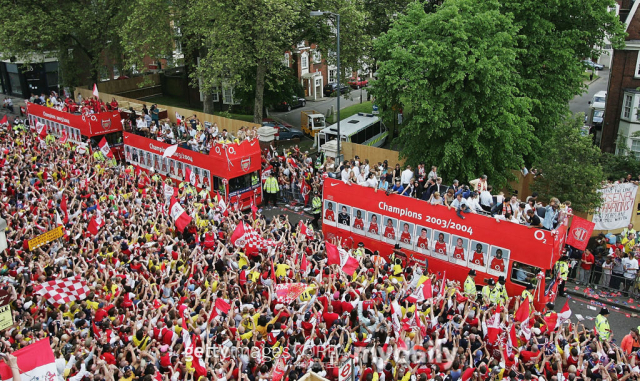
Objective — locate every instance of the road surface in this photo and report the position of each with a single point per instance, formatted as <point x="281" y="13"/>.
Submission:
<point x="580" y="103"/>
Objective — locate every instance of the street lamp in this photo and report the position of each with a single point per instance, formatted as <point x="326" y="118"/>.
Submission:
<point x="321" y="13"/>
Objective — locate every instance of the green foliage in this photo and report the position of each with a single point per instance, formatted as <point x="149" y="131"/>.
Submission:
<point x="570" y="167"/>
<point x="617" y="167"/>
<point x="454" y="72"/>
<point x="148" y="32"/>
<point x="280" y="85"/>
<point x="554" y="37"/>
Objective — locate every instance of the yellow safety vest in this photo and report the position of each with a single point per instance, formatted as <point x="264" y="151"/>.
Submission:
<point x="271" y="185"/>
<point x="602" y="327"/>
<point x="562" y="269"/>
<point x="316" y="204"/>
<point x="486" y="292"/>
<point x="527" y="295"/>
<point x="470" y="287"/>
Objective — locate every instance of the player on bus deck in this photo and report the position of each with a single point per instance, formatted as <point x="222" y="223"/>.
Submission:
<point x="441" y="246"/>
<point x="423" y="240"/>
<point x="458" y="251"/>
<point x="405" y="237"/>
<point x="497" y="263"/>
<point x="389" y="231"/>
<point x="358" y="223"/>
<point x="478" y="256"/>
<point x="373" y="225"/>
<point x="329" y="214"/>
<point x="343" y="217"/>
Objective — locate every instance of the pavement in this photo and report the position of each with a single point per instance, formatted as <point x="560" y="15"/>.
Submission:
<point x="322" y="105"/>
<point x="580" y="103"/>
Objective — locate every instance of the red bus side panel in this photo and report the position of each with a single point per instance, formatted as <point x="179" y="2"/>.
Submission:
<point x="89" y="125"/>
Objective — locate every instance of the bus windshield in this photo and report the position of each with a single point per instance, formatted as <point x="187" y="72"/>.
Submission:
<point x="242" y="183"/>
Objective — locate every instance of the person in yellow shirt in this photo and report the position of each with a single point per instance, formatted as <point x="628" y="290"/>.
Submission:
<point x="281" y="270"/>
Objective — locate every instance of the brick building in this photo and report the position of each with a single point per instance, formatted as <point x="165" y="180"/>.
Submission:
<point x="621" y="128"/>
<point x="310" y="68"/>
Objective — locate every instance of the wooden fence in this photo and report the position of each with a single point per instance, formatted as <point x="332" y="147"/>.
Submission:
<point x="118" y="86"/>
<point x="374" y="154"/>
<point x="230" y="125"/>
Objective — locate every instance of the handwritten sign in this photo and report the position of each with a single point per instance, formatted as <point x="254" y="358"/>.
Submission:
<point x="45" y="238"/>
<point x="618" y="203"/>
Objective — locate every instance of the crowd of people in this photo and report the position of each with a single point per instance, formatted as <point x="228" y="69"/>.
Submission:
<point x="172" y="304"/>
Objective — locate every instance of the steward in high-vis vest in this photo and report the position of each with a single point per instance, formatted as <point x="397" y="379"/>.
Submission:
<point x="470" y="285"/>
<point x="527" y="295"/>
<point x="602" y="325"/>
<point x="488" y="290"/>
<point x="561" y="270"/>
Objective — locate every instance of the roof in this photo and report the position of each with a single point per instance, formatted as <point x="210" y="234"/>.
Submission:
<point x="602" y="93"/>
<point x="352" y="124"/>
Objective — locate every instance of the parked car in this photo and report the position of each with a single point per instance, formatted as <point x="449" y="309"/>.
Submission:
<point x="295" y="102"/>
<point x="599" y="100"/>
<point x="591" y="64"/>
<point x="284" y="132"/>
<point x="331" y="88"/>
<point x="358" y="82"/>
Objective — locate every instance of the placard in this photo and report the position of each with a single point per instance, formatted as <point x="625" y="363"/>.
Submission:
<point x="45" y="238"/>
<point x="617" y="207"/>
<point x="6" y="318"/>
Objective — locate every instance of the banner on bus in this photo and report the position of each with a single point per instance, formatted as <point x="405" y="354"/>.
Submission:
<point x="478" y="241"/>
<point x="88" y="125"/>
<point x="45" y="238"/>
<point x="618" y="202"/>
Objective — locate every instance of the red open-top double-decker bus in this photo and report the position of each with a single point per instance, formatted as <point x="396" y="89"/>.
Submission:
<point x="233" y="169"/>
<point x="434" y="233"/>
<point x="80" y="128"/>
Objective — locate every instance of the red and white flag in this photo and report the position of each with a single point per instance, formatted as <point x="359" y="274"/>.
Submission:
<point x="422" y="292"/>
<point x="4" y="121"/>
<point x="245" y="237"/>
<point x="522" y="315"/>
<point x="221" y="204"/>
<point x="493" y="326"/>
<point x="104" y="148"/>
<point x="64" y="291"/>
<point x="95" y="224"/>
<point x="170" y="151"/>
<point x="580" y="232"/>
<point x="41" y="129"/>
<point x="220" y="307"/>
<point x="279" y="370"/>
<point x="286" y="293"/>
<point x="564" y="314"/>
<point x="512" y="341"/>
<point x="180" y="217"/>
<point x="305" y="230"/>
<point x="35" y="362"/>
<point x="190" y="347"/>
<point x="190" y="176"/>
<point x="168" y="191"/>
<point x="95" y="91"/>
<point x="65" y="209"/>
<point x="338" y="256"/>
<point x="63" y="137"/>
<point x="178" y="119"/>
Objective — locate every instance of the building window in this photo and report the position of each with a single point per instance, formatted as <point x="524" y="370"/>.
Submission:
<point x="332" y="75"/>
<point x="317" y="56"/>
<point x="636" y="74"/>
<point x="626" y="109"/>
<point x="635" y="148"/>
<point x="104" y="73"/>
<point x="227" y="96"/>
<point x="285" y="61"/>
<point x="216" y="94"/>
<point x="304" y="61"/>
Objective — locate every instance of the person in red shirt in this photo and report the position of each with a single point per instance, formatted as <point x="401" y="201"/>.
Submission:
<point x="329" y="317"/>
<point x="358" y="223"/>
<point x="441" y="246"/>
<point x="458" y="251"/>
<point x="329" y="215"/>
<point x="478" y="256"/>
<point x="373" y="225"/>
<point x="497" y="263"/>
<point x="584" y="272"/>
<point x="423" y="241"/>
<point x="389" y="231"/>
<point x="405" y="237"/>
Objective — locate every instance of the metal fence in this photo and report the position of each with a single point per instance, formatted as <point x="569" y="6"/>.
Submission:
<point x="599" y="279"/>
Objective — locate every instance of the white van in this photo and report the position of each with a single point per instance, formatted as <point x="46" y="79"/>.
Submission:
<point x="365" y="129"/>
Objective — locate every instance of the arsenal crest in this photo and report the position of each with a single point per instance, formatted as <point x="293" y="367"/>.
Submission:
<point x="106" y="124"/>
<point x="245" y="164"/>
<point x="580" y="234"/>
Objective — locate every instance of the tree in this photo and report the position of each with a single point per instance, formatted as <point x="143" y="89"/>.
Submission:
<point x="570" y="167"/>
<point x="454" y="72"/>
<point x="80" y="34"/>
<point x="240" y="35"/>
<point x="553" y="39"/>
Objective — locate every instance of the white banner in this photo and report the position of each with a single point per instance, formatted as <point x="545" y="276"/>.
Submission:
<point x="618" y="204"/>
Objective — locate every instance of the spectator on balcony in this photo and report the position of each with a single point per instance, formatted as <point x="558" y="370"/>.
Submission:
<point x="551" y="214"/>
<point x="479" y="184"/>
<point x="436" y="199"/>
<point x="486" y="200"/>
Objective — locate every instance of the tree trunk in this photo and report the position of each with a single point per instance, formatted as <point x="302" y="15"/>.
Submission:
<point x="259" y="97"/>
<point x="207" y="103"/>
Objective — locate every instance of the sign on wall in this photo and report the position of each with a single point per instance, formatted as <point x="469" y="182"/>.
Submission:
<point x="617" y="207"/>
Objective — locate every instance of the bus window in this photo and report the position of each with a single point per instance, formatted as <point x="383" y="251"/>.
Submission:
<point x="114" y="138"/>
<point x="524" y="274"/>
<point x="239" y="183"/>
